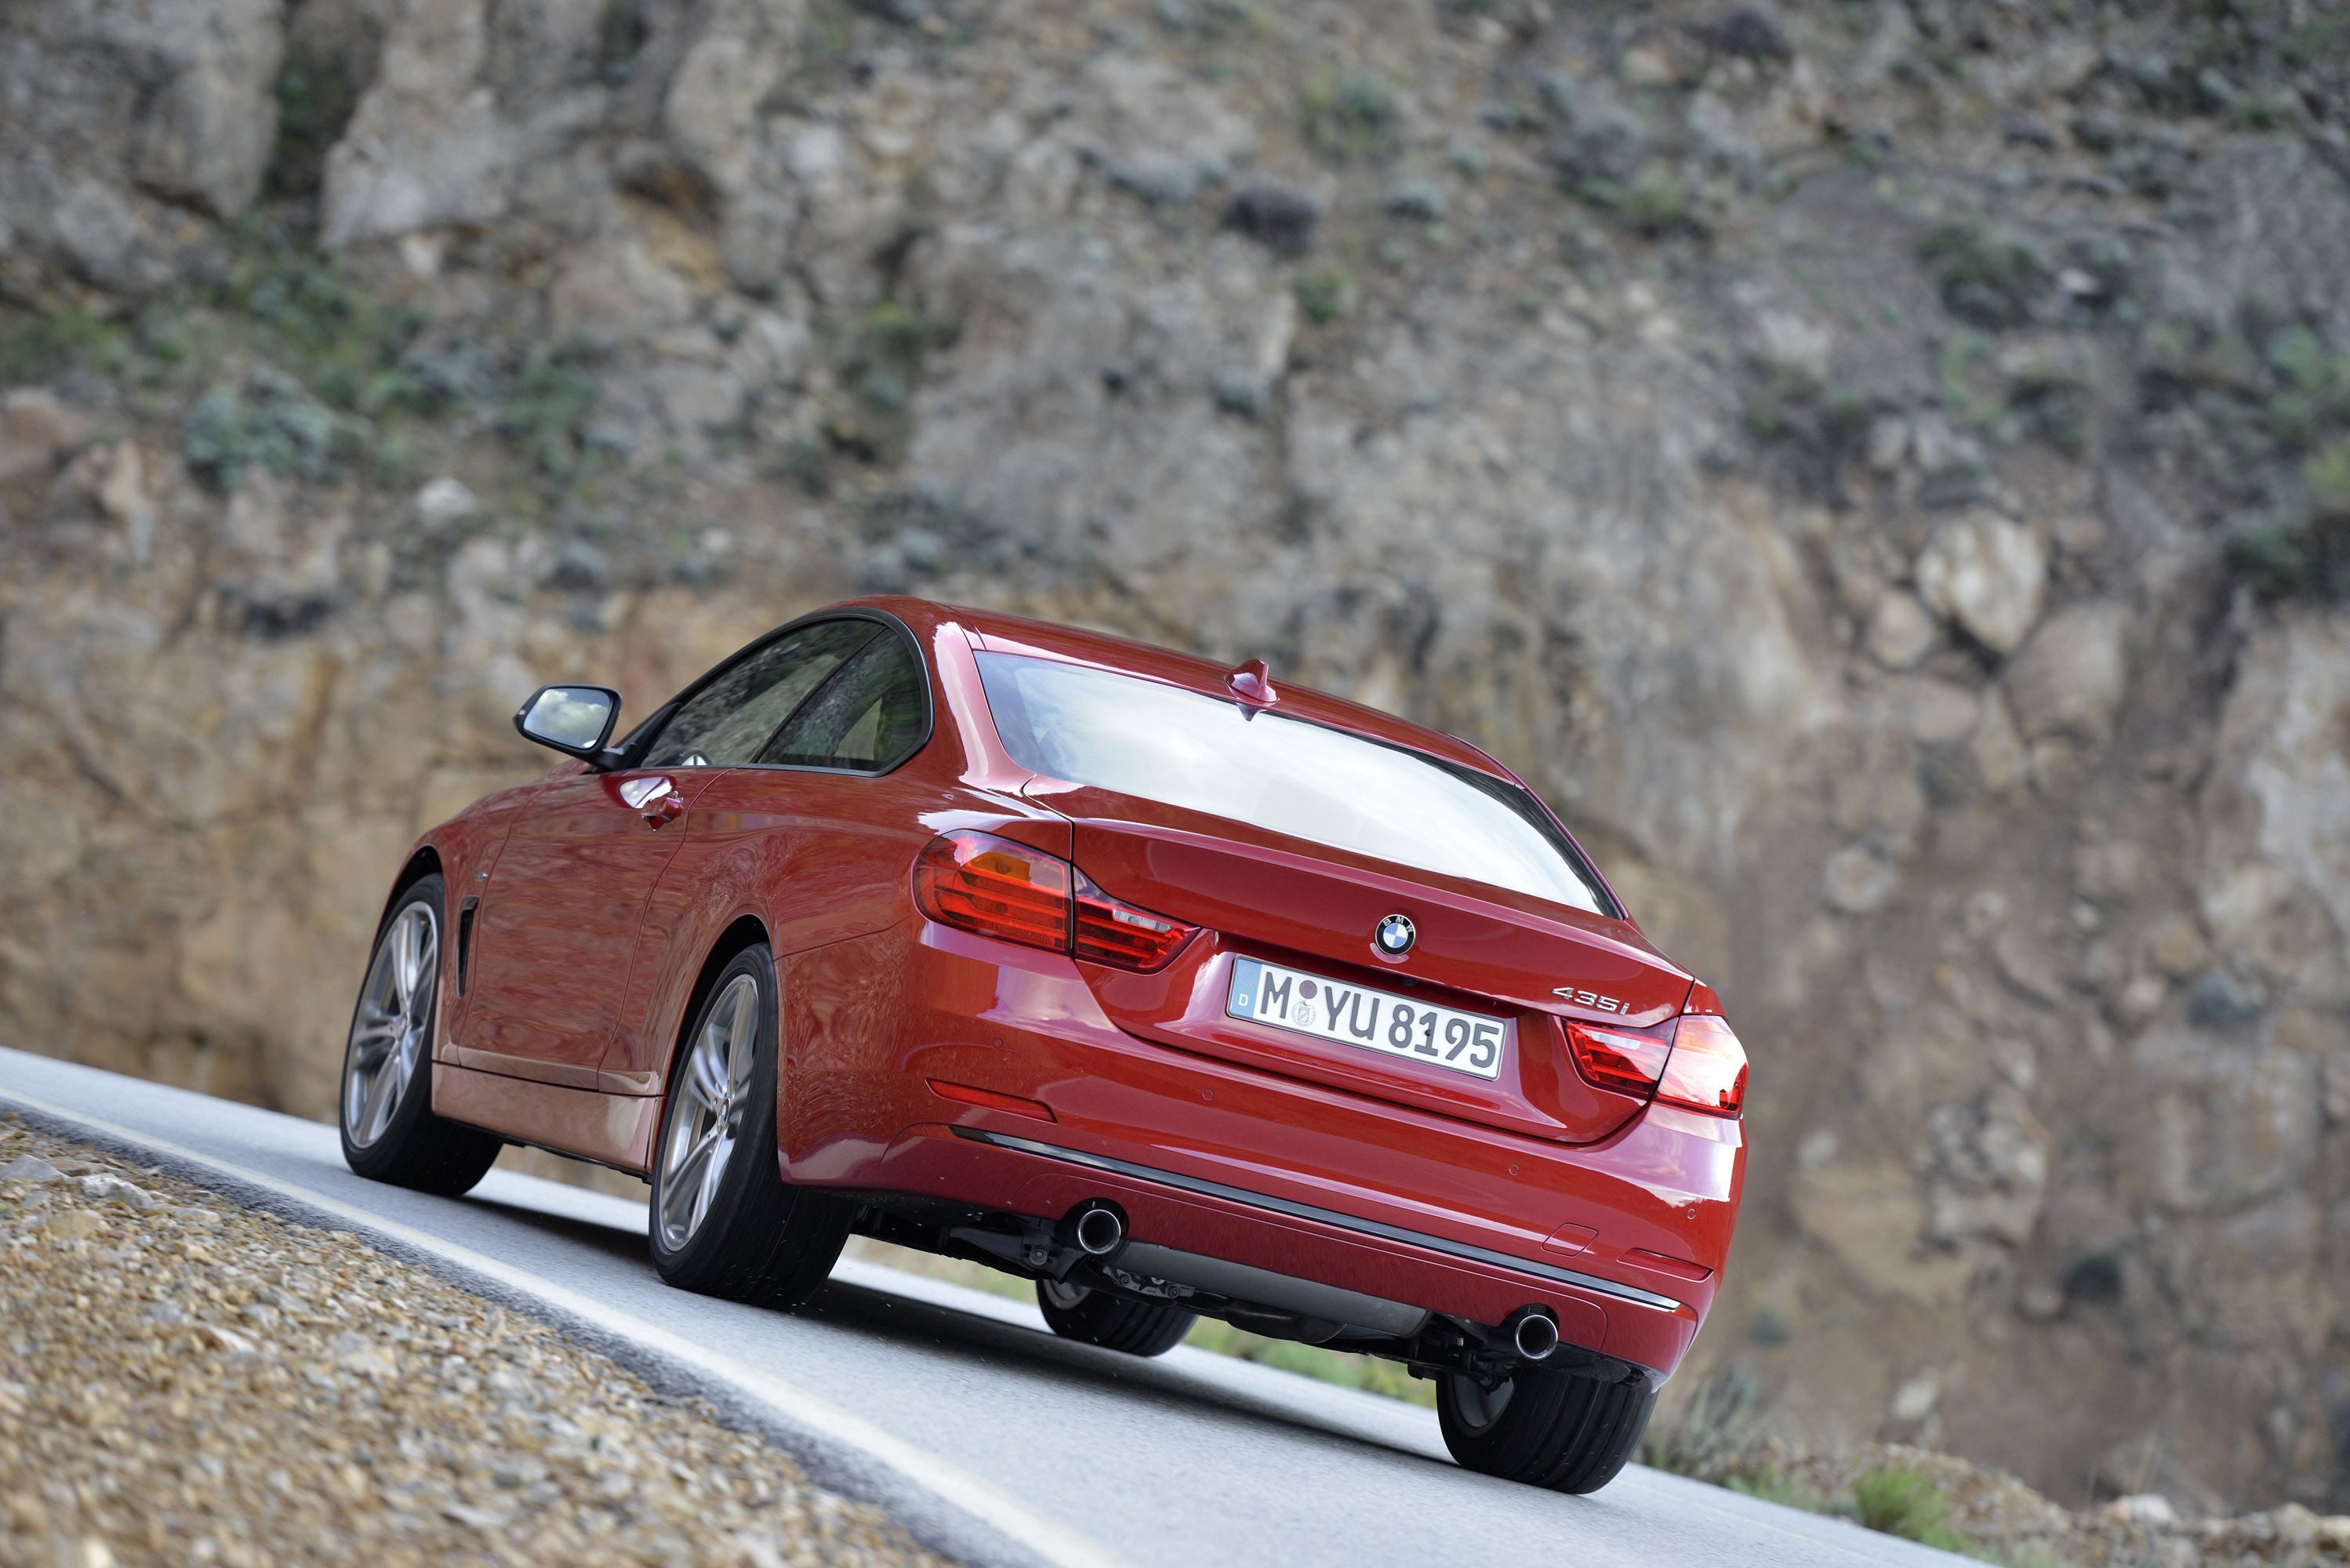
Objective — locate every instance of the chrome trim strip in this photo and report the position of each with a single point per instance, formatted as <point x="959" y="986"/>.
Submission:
<point x="1324" y="1216"/>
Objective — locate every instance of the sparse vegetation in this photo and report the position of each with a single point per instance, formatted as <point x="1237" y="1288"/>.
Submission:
<point x="1903" y="1500"/>
<point x="1352" y="115"/>
<point x="1324" y="293"/>
<point x="1987" y="280"/>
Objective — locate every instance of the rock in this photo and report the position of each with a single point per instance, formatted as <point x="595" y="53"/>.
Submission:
<point x="1900" y="632"/>
<point x="1987" y="574"/>
<point x="1241" y="392"/>
<point x="1914" y="1400"/>
<point x="444" y="501"/>
<point x="1278" y="218"/>
<point x="2175" y="945"/>
<point x="1421" y="201"/>
<point x="426" y="146"/>
<point x="1750" y="34"/>
<point x="105" y="1189"/>
<point x="2000" y="759"/>
<point x="1940" y="713"/>
<point x="30" y="1167"/>
<point x="1158" y="182"/>
<point x="2220" y="1001"/>
<point x="1987" y="1168"/>
<point x="2147" y="1510"/>
<point x="2070" y="678"/>
<point x="35" y="432"/>
<point x="1857" y="880"/>
<point x="73" y="1225"/>
<point x="206" y="135"/>
<point x="362" y="1357"/>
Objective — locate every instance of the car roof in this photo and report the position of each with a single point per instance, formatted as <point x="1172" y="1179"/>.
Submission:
<point x="994" y="631"/>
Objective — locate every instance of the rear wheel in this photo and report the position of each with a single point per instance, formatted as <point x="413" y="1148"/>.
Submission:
<point x="389" y="1133"/>
<point x="1097" y="1317"/>
<point x="1544" y="1426"/>
<point x="724" y="1223"/>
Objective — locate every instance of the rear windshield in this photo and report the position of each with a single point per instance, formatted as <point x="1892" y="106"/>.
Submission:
<point x="1183" y="749"/>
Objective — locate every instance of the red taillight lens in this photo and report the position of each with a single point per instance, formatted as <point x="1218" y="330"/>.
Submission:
<point x="981" y="883"/>
<point x="1619" y="1059"/>
<point x="1109" y="932"/>
<point x="996" y="888"/>
<point x="1708" y="1069"/>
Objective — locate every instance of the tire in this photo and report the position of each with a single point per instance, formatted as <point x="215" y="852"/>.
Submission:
<point x="1097" y="1317"/>
<point x="723" y="1221"/>
<point x="1544" y="1426"/>
<point x="385" y="1108"/>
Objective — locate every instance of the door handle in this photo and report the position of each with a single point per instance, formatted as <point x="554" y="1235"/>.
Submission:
<point x="655" y="799"/>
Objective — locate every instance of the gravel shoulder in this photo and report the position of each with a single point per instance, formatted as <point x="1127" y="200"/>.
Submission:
<point x="185" y="1381"/>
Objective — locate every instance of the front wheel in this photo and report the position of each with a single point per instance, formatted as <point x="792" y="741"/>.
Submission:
<point x="1096" y="1317"/>
<point x="724" y="1221"/>
<point x="1544" y="1426"/>
<point x="389" y="1133"/>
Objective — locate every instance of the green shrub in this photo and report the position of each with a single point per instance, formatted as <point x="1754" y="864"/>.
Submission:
<point x="273" y="421"/>
<point x="2326" y="477"/>
<point x="1658" y="202"/>
<point x="1987" y="280"/>
<point x="34" y="348"/>
<point x="1903" y="1500"/>
<point x="1353" y="117"/>
<point x="546" y="404"/>
<point x="1324" y="293"/>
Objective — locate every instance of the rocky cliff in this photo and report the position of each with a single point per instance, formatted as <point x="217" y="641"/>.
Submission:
<point x="1881" y="468"/>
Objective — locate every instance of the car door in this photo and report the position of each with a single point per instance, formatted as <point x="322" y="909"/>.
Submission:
<point x="825" y="813"/>
<point x="556" y="925"/>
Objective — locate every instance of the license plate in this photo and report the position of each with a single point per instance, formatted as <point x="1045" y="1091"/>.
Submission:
<point x="1373" y="1020"/>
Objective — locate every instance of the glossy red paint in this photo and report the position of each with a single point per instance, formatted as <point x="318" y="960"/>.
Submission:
<point x="921" y="1061"/>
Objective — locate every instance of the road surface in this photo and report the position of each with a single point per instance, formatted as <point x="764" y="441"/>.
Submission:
<point x="958" y="1411"/>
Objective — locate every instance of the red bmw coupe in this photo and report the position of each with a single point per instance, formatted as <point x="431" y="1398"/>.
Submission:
<point x="1173" y="990"/>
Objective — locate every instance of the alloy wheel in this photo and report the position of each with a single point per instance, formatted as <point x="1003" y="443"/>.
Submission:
<point x="711" y="1095"/>
<point x="394" y="1020"/>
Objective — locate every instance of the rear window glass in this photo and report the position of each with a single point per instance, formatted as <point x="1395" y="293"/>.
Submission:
<point x="1184" y="749"/>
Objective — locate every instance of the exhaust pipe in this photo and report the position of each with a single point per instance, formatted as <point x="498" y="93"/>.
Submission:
<point x="1532" y="1333"/>
<point x="1098" y="1227"/>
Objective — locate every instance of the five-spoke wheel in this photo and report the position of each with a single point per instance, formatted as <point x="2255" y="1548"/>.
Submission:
<point x="724" y="1223"/>
<point x="389" y="1133"/>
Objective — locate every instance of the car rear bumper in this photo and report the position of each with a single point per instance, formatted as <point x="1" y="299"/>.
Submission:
<point x="1217" y="1159"/>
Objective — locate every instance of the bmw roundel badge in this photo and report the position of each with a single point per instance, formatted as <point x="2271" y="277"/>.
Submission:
<point x="1394" y="937"/>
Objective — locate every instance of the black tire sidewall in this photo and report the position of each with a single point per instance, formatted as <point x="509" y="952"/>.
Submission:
<point x="387" y="1157"/>
<point x="753" y="1144"/>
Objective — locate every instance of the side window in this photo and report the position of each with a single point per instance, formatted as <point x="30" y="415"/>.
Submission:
<point x="868" y="717"/>
<point x="724" y="724"/>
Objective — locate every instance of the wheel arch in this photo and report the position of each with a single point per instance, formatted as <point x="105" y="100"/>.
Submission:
<point x="745" y="931"/>
<point x="422" y="862"/>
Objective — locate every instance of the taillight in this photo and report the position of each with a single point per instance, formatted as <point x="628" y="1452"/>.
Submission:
<point x="996" y="888"/>
<point x="1620" y="1059"/>
<point x="978" y="882"/>
<point x="1708" y="1068"/>
<point x="1109" y="930"/>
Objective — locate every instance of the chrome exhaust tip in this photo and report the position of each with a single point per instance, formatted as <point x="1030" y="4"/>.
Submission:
<point x="1533" y="1333"/>
<point x="1098" y="1229"/>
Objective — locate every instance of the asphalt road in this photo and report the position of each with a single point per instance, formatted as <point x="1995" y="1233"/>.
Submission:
<point x="958" y="1410"/>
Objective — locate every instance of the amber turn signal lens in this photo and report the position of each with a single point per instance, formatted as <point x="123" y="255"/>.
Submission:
<point x="1706" y="1071"/>
<point x="1114" y="932"/>
<point x="980" y="883"/>
<point x="1624" y="1060"/>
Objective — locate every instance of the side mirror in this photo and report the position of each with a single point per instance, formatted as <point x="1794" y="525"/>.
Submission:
<point x="574" y="720"/>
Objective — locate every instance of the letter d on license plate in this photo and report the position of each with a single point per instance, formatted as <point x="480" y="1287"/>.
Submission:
<point x="1371" y="1019"/>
